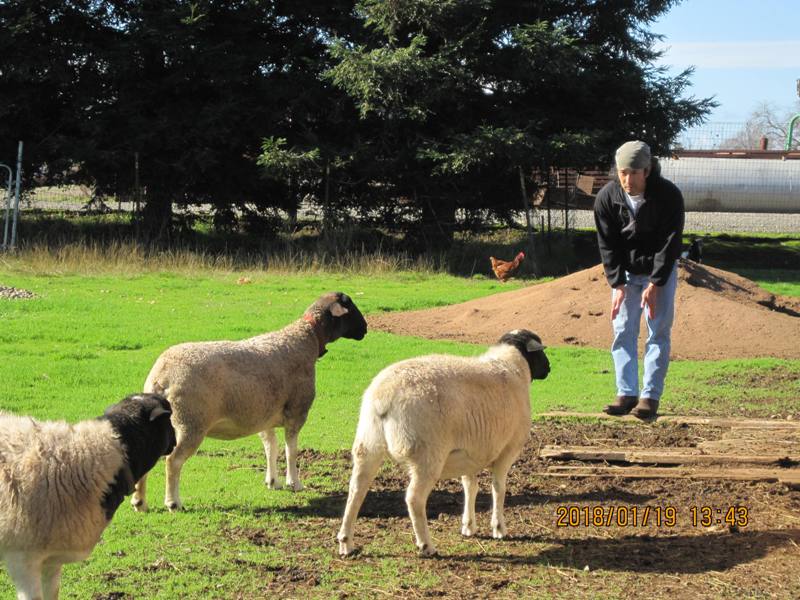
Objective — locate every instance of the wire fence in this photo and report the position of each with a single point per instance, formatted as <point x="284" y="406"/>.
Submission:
<point x="68" y="197"/>
<point x="763" y="132"/>
<point x="714" y="136"/>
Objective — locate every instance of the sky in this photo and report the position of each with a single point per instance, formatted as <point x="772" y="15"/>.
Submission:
<point x="745" y="53"/>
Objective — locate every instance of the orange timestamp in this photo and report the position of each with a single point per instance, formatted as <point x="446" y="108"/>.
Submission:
<point x="616" y="516"/>
<point x="645" y="516"/>
<point x="706" y="516"/>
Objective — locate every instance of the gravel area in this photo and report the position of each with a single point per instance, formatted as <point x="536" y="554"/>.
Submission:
<point x="14" y="293"/>
<point x="710" y="222"/>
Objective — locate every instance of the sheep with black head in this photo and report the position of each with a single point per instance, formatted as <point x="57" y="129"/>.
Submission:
<point x="60" y="484"/>
<point x="232" y="389"/>
<point x="445" y="416"/>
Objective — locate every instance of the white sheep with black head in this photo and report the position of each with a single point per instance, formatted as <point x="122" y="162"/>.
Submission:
<point x="232" y="389"/>
<point x="445" y="416"/>
<point x="60" y="484"/>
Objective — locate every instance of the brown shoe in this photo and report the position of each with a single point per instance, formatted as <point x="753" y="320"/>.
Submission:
<point x="647" y="408"/>
<point x="621" y="406"/>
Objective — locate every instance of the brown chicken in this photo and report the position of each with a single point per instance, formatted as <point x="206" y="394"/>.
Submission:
<point x="503" y="269"/>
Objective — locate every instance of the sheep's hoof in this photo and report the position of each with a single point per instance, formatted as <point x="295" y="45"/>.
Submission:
<point x="295" y="486"/>
<point x="468" y="530"/>
<point x="427" y="550"/>
<point x="173" y="506"/>
<point x="499" y="532"/>
<point x="346" y="549"/>
<point x="139" y="505"/>
<point x="273" y="484"/>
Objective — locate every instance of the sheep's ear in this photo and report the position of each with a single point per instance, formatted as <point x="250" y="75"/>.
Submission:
<point x="158" y="411"/>
<point x="533" y="346"/>
<point x="337" y="310"/>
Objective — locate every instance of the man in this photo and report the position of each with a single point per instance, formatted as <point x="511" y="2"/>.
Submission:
<point x="639" y="222"/>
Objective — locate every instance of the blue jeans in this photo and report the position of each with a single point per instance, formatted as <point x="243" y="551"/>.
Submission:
<point x="624" y="349"/>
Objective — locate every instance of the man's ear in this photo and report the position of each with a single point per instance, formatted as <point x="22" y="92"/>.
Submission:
<point x="647" y="172"/>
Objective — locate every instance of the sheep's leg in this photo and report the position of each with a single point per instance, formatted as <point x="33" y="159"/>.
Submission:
<point x="139" y="498"/>
<point x="468" y="523"/>
<point x="51" y="578"/>
<point x="186" y="446"/>
<point x="499" y="476"/>
<point x="419" y="488"/>
<point x="270" y="442"/>
<point x="292" y="474"/>
<point x="365" y="467"/>
<point x="25" y="572"/>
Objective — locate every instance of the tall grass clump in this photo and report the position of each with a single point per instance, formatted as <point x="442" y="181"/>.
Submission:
<point x="127" y="258"/>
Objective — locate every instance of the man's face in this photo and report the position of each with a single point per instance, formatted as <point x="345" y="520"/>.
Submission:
<point x="633" y="181"/>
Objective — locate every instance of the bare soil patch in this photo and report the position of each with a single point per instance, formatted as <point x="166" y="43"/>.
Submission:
<point x="542" y="558"/>
<point x="718" y="315"/>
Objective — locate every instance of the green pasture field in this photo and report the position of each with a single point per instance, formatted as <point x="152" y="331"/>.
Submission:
<point x="88" y="339"/>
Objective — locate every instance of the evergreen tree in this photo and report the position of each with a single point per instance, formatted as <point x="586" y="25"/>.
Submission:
<point x="457" y="97"/>
<point x="188" y="87"/>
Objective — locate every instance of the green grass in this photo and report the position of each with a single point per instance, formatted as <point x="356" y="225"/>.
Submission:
<point x="784" y="282"/>
<point x="95" y="337"/>
<point x="90" y="338"/>
<point x="752" y="251"/>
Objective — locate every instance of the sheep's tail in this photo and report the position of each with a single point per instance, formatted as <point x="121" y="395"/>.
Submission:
<point x="370" y="434"/>
<point x="153" y="386"/>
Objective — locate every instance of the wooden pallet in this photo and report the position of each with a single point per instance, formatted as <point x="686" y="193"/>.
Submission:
<point x="751" y="450"/>
<point x="733" y="422"/>
<point x="663" y="456"/>
<point x="790" y="477"/>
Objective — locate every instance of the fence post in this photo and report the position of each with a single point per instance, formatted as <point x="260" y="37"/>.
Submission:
<point x="136" y="197"/>
<point x="16" y="197"/>
<point x="8" y="205"/>
<point x="529" y="225"/>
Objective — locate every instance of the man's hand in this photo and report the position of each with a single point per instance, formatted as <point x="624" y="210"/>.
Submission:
<point x="616" y="301"/>
<point x="649" y="296"/>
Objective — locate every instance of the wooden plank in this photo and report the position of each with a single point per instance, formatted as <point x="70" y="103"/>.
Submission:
<point x="666" y="456"/>
<point x="585" y="183"/>
<point x="787" y="476"/>
<point x="736" y="422"/>
<point x="779" y="446"/>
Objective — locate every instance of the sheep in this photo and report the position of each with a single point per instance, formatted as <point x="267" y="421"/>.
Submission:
<point x="445" y="416"/>
<point x="61" y="484"/>
<point x="228" y="390"/>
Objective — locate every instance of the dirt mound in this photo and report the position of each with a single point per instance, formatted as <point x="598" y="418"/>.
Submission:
<point x="718" y="315"/>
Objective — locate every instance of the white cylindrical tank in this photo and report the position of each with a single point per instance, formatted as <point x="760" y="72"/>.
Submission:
<point x="748" y="185"/>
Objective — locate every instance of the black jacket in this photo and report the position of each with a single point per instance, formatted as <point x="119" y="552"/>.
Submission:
<point x="648" y="244"/>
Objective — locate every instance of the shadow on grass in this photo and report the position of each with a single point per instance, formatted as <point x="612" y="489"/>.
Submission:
<point x="388" y="504"/>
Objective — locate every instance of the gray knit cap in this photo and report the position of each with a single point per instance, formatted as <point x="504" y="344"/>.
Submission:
<point x="633" y="155"/>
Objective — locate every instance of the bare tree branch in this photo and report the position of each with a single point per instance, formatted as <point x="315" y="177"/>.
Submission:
<point x="765" y="121"/>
